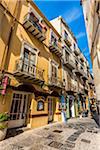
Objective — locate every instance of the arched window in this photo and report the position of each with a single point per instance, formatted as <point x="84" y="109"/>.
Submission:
<point x="40" y="105"/>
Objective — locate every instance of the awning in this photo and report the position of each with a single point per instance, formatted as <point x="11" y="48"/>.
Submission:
<point x="40" y="89"/>
<point x="31" y="88"/>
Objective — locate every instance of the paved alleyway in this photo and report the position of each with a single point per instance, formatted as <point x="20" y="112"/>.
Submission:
<point x="77" y="134"/>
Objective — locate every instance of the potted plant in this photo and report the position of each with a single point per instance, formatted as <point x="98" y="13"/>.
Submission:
<point x="3" y="125"/>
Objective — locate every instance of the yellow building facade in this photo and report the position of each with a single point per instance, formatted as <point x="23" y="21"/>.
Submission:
<point x="91" y="11"/>
<point x="35" y="74"/>
<point x="30" y="57"/>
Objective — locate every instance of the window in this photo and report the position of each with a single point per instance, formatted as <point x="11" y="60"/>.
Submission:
<point x="53" y="72"/>
<point x="29" y="56"/>
<point x="76" y="63"/>
<point x="53" y="39"/>
<point x="81" y="67"/>
<point x="40" y="105"/>
<point x="66" y="56"/>
<point x="74" y="46"/>
<point x="98" y="8"/>
<point x="65" y="35"/>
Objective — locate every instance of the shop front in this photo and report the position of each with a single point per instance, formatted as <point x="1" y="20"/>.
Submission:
<point x="19" y="109"/>
<point x="70" y="106"/>
<point x="28" y="106"/>
<point x="54" y="113"/>
<point x="54" y="107"/>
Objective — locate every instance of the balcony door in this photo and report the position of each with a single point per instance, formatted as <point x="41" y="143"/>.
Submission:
<point x="50" y="109"/>
<point x="65" y="35"/>
<point x="19" y="108"/>
<point x="29" y="62"/>
<point x="53" y="39"/>
<point x="54" y="73"/>
<point x="66" y="56"/>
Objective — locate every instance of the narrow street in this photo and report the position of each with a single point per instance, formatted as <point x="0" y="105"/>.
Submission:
<point x="76" y="134"/>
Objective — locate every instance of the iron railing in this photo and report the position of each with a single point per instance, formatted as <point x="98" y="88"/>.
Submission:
<point x="29" y="68"/>
<point x="55" y="81"/>
<point x="36" y="24"/>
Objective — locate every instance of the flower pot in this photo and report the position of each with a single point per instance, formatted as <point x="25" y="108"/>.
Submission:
<point x="3" y="130"/>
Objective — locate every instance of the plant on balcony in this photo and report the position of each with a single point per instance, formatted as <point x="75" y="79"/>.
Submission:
<point x="3" y="125"/>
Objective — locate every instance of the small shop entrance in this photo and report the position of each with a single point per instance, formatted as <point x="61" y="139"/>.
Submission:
<point x="51" y="108"/>
<point x="71" y="106"/>
<point x="18" y="112"/>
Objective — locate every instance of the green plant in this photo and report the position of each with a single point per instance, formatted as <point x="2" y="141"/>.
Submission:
<point x="4" y="117"/>
<point x="3" y="126"/>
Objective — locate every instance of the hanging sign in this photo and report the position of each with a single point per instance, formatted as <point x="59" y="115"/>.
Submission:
<point x="4" y="84"/>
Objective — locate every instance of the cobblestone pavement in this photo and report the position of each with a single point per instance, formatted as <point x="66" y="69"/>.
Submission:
<point x="76" y="134"/>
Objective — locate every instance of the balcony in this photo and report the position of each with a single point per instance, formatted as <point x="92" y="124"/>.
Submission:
<point x="81" y="88"/>
<point x="77" y="51"/>
<point x="79" y="70"/>
<point x="91" y="82"/>
<point x="68" y="41"/>
<point x="84" y="76"/>
<point x="27" y="72"/>
<point x="67" y="49"/>
<point x="72" y="86"/>
<point x="55" y="48"/>
<point x="55" y="82"/>
<point x="31" y="23"/>
<point x="69" y="62"/>
<point x="82" y="58"/>
<point x="86" y="87"/>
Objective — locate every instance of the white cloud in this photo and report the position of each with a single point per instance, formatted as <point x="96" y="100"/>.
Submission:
<point x="80" y="35"/>
<point x="72" y="15"/>
<point x="84" y="50"/>
<point x="87" y="54"/>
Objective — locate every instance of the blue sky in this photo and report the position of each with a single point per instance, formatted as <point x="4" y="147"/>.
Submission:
<point x="71" y="11"/>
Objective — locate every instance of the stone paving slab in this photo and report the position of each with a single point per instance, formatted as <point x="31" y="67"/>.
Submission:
<point x="76" y="134"/>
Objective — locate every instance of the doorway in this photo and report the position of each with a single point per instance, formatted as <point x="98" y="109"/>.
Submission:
<point x="18" y="111"/>
<point x="71" y="106"/>
<point x="50" y="109"/>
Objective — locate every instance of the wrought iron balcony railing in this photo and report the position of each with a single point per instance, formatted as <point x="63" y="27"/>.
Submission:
<point x="55" y="82"/>
<point x="77" y="51"/>
<point x="33" y="25"/>
<point x="68" y="41"/>
<point x="79" y="70"/>
<point x="69" y="62"/>
<point x="72" y="86"/>
<point x="81" y="87"/>
<point x="27" y="70"/>
<point x="55" y="48"/>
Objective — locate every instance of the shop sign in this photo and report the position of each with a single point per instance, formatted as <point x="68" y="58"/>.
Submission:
<point x="40" y="103"/>
<point x="62" y="105"/>
<point x="5" y="81"/>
